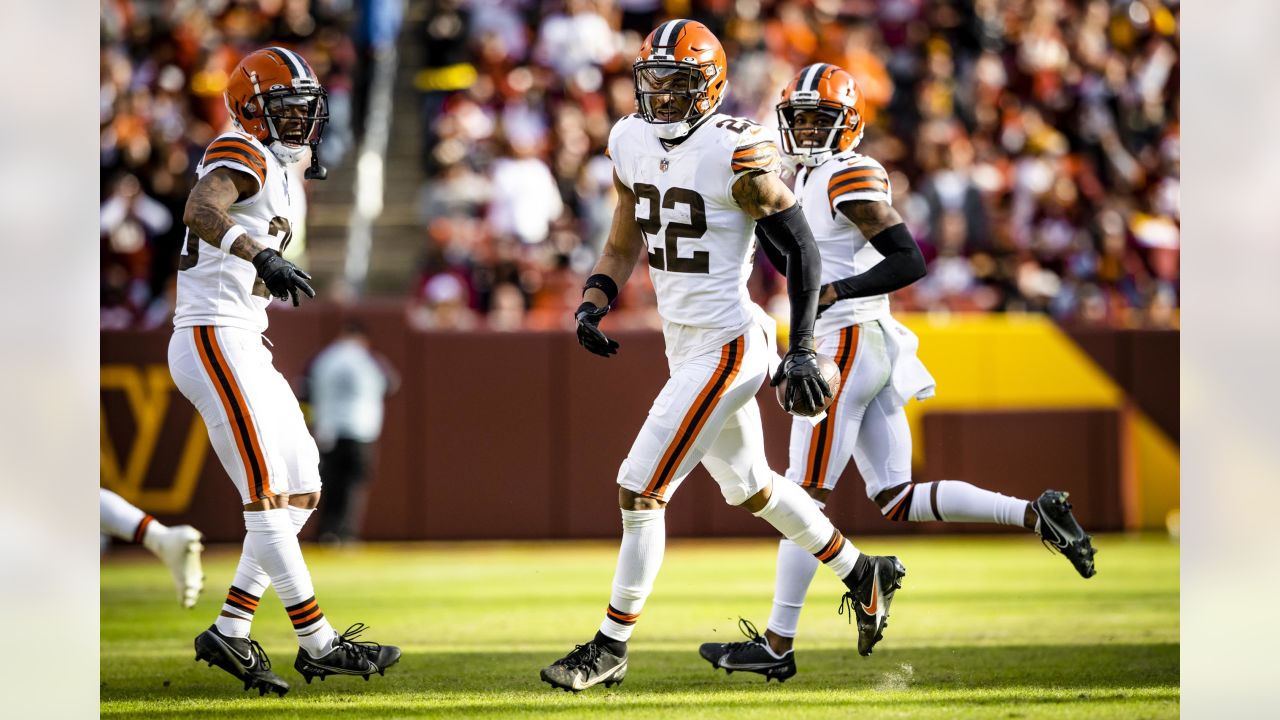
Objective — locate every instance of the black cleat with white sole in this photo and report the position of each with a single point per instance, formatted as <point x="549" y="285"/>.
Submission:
<point x="753" y="655"/>
<point x="348" y="657"/>
<point x="1058" y="529"/>
<point x="244" y="658"/>
<point x="588" y="665"/>
<point x="868" y="600"/>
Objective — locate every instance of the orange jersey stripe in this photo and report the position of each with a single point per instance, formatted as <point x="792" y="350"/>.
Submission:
<point x="696" y="417"/>
<point x="857" y="185"/>
<point x="227" y="143"/>
<point x="239" y="160"/>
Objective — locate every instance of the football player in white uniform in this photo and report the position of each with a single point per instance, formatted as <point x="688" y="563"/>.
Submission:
<point x="867" y="252"/>
<point x="239" y="219"/>
<point x="692" y="185"/>
<point x="177" y="547"/>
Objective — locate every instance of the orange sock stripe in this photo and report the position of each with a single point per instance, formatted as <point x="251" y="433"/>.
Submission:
<point x="141" y="531"/>
<point x="832" y="548"/>
<point x="618" y="616"/>
<point x="248" y="601"/>
<point x="696" y="417"/>
<point x="243" y="429"/>
<point x="305" y="620"/>
<point x="241" y="605"/>
<point x="900" y="511"/>
<point x="303" y="609"/>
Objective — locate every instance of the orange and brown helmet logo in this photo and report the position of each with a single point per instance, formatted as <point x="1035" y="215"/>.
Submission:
<point x="823" y="86"/>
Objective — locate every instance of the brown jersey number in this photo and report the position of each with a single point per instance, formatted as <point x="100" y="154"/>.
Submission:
<point x="668" y="257"/>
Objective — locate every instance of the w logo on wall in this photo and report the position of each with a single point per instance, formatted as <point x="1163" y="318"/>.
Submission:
<point x="152" y="449"/>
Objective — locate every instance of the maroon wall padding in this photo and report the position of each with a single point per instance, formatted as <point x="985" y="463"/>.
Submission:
<point x="520" y="435"/>
<point x="1144" y="363"/>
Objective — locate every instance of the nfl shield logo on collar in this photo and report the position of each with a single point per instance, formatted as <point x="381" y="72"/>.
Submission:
<point x="663" y="165"/>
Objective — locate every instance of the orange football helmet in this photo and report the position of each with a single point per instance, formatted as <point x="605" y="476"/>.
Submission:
<point x="274" y="95"/>
<point x="680" y="77"/>
<point x="832" y="92"/>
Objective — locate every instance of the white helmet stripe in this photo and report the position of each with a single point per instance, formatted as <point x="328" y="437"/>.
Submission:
<point x="809" y="78"/>
<point x="664" y="38"/>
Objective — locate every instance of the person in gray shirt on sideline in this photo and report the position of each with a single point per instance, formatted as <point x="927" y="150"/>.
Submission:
<point x="348" y="383"/>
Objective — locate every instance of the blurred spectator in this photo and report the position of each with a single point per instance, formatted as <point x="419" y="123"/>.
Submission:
<point x="1032" y="144"/>
<point x="346" y="385"/>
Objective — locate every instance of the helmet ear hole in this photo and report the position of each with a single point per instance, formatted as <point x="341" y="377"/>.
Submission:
<point x="248" y="111"/>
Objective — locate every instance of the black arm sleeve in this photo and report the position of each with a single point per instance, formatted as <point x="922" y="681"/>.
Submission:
<point x="902" y="265"/>
<point x="775" y="256"/>
<point x="789" y="234"/>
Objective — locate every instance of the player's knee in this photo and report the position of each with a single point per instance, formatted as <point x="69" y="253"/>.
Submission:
<point x="886" y="497"/>
<point x="756" y="502"/>
<point x="819" y="494"/>
<point x="306" y="501"/>
<point x="275" y="502"/>
<point x="629" y="500"/>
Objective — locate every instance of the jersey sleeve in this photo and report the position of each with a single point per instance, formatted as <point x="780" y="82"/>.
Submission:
<point x="862" y="179"/>
<point x="234" y="151"/>
<point x="756" y="151"/>
<point x="613" y="151"/>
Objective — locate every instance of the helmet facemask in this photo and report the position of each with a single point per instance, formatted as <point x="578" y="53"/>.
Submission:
<point x="296" y="117"/>
<point x="811" y="128"/>
<point x="673" y="95"/>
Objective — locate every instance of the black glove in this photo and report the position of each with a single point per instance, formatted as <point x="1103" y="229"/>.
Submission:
<point x="283" y="278"/>
<point x="589" y="335"/>
<point x="806" y="387"/>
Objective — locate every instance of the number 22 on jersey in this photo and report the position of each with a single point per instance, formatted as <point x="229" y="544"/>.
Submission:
<point x="667" y="257"/>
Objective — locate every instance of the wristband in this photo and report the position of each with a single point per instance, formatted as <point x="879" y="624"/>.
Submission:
<point x="604" y="284"/>
<point x="229" y="237"/>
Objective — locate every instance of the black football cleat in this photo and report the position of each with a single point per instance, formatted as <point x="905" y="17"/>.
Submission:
<point x="868" y="601"/>
<point x="244" y="658"/>
<point x="348" y="657"/>
<point x="753" y="655"/>
<point x="588" y="665"/>
<point x="1058" y="529"/>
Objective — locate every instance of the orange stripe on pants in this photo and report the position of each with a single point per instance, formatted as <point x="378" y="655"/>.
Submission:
<point x="696" y="418"/>
<point x="823" y="436"/>
<point x="256" y="472"/>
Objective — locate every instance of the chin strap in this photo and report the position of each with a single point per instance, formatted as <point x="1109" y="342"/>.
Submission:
<point x="316" y="171"/>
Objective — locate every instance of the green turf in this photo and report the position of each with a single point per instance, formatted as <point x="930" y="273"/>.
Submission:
<point x="985" y="627"/>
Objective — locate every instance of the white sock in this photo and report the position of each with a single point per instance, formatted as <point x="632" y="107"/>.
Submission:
<point x="272" y="541"/>
<point x="644" y="540"/>
<point x="248" y="585"/>
<point x="793" y="513"/>
<point x="796" y="567"/>
<point x="119" y="519"/>
<point x="955" y="501"/>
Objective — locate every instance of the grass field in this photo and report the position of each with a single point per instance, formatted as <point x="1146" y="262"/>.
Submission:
<point x="984" y="627"/>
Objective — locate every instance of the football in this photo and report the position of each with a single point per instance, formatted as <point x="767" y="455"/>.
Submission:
<point x="830" y="372"/>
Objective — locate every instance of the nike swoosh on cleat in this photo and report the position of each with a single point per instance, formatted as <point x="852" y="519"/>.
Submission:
<point x="875" y="598"/>
<point x="752" y="666"/>
<point x="247" y="658"/>
<point x="578" y="684"/>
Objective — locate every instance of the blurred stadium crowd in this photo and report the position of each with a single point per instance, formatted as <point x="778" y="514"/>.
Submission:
<point x="1033" y="145"/>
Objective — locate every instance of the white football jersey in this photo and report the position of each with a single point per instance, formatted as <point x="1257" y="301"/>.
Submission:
<point x="214" y="287"/>
<point x="844" y="250"/>
<point x="700" y="242"/>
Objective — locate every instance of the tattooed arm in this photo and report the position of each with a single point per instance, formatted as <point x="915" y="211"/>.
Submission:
<point x="903" y="262"/>
<point x="763" y="196"/>
<point x="206" y="211"/>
